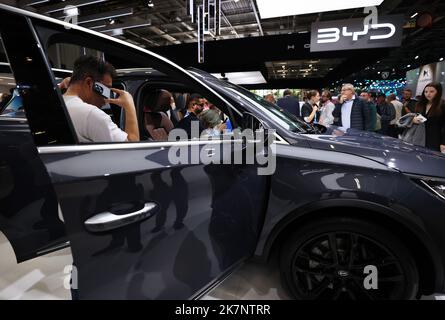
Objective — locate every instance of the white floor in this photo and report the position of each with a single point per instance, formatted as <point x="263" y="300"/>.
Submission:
<point x="41" y="278"/>
<point x="45" y="277"/>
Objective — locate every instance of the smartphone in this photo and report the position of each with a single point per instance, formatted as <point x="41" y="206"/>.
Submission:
<point x="104" y="91"/>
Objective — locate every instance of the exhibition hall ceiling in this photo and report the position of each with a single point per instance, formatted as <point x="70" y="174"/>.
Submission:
<point x="166" y="27"/>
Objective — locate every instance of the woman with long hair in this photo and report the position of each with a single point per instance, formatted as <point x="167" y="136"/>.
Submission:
<point x="432" y="107"/>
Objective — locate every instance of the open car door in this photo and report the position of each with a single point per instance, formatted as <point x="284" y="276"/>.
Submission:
<point x="139" y="226"/>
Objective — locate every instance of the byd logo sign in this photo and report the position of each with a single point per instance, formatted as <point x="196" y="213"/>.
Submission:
<point x="330" y="35"/>
<point x="354" y="34"/>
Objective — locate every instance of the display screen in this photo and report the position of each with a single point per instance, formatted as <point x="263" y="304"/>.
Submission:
<point x="417" y="79"/>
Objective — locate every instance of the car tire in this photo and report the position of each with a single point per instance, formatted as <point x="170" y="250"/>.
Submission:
<point x="326" y="259"/>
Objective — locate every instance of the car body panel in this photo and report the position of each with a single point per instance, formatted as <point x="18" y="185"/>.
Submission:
<point x="28" y="203"/>
<point x="197" y="233"/>
<point x="208" y="217"/>
<point x="392" y="152"/>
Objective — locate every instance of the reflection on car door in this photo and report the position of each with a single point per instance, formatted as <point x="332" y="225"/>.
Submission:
<point x="139" y="226"/>
<point x="201" y="219"/>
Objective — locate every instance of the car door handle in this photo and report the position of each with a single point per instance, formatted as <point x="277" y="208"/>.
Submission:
<point x="210" y="152"/>
<point x="106" y="221"/>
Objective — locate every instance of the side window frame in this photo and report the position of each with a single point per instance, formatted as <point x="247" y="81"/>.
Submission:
<point x="51" y="34"/>
<point x="47" y="117"/>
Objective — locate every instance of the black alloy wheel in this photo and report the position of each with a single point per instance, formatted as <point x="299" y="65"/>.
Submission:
<point x="326" y="260"/>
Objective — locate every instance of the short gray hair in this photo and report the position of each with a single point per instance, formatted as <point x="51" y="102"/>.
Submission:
<point x="210" y="118"/>
<point x="348" y="86"/>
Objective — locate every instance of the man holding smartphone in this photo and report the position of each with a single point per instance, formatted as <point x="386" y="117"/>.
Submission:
<point x="351" y="112"/>
<point x="83" y="101"/>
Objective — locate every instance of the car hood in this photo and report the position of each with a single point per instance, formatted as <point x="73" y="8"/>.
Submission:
<point x="386" y="150"/>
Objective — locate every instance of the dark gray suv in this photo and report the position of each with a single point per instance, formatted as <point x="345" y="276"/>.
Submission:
<point x="337" y="205"/>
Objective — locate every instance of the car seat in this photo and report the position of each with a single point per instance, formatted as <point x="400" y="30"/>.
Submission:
<point x="156" y="122"/>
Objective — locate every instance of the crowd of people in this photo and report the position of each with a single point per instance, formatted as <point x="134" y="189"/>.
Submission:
<point x="376" y="112"/>
<point x="419" y="121"/>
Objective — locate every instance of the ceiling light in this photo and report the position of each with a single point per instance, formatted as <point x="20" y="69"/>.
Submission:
<point x="441" y="59"/>
<point x="111" y="21"/>
<point x="414" y="15"/>
<point x="129" y="25"/>
<point x="98" y="26"/>
<point x="416" y="57"/>
<point x="106" y="15"/>
<point x="150" y="3"/>
<point x="62" y="6"/>
<point x="303" y="31"/>
<point x="408" y="66"/>
<point x="250" y="77"/>
<point x="283" y="8"/>
<point x="33" y="3"/>
<point x="71" y="11"/>
<point x="117" y="32"/>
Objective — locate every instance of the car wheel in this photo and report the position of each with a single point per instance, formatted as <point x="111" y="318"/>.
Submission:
<point x="326" y="259"/>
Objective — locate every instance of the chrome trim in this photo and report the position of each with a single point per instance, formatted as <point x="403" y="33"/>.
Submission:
<point x="279" y="139"/>
<point x="129" y="145"/>
<point x="115" y="40"/>
<point x="432" y="189"/>
<point x="6" y="118"/>
<point x="54" y="248"/>
<point x="106" y="221"/>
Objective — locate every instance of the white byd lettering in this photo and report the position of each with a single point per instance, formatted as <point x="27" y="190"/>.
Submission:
<point x="332" y="35"/>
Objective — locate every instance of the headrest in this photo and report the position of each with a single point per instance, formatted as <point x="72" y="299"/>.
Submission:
<point x="156" y="101"/>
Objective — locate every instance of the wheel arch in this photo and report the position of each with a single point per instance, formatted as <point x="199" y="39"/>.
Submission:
<point x="401" y="222"/>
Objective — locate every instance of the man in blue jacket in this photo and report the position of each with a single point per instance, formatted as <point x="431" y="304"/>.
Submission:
<point x="289" y="103"/>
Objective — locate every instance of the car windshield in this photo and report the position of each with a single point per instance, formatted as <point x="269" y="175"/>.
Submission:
<point x="285" y="119"/>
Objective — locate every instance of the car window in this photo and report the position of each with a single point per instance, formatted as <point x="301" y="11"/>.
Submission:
<point x="10" y="101"/>
<point x="156" y="118"/>
<point x="283" y="118"/>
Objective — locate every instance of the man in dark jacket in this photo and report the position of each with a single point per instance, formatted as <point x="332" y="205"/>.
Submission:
<point x="191" y="121"/>
<point x="386" y="111"/>
<point x="289" y="103"/>
<point x="352" y="112"/>
<point x="409" y="104"/>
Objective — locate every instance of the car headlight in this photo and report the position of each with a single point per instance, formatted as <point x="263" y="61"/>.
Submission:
<point x="438" y="187"/>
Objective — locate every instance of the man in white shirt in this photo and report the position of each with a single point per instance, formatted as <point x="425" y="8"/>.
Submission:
<point x="83" y="104"/>
<point x="326" y="117"/>
<point x="393" y="130"/>
<point x="347" y="99"/>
